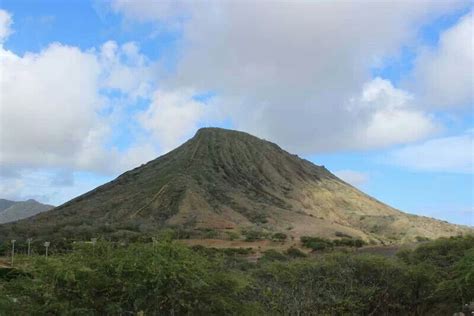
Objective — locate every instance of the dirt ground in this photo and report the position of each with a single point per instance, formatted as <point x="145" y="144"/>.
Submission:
<point x="5" y="262"/>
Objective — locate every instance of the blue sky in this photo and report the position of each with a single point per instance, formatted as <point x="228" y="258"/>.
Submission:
<point x="380" y="93"/>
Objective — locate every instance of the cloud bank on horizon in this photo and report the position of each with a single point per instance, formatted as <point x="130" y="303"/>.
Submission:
<point x="391" y="80"/>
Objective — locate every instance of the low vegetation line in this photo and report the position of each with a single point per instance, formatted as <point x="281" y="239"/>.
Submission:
<point x="164" y="277"/>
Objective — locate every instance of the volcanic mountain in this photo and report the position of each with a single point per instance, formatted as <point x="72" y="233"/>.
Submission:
<point x="221" y="181"/>
<point x="11" y="211"/>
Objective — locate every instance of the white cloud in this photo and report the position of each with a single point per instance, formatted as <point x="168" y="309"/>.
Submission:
<point x="287" y="71"/>
<point x="58" y="111"/>
<point x="447" y="154"/>
<point x="48" y="105"/>
<point x="444" y="76"/>
<point x="53" y="110"/>
<point x="356" y="178"/>
<point x="393" y="117"/>
<point x="126" y="69"/>
<point x="5" y="25"/>
<point x="172" y="116"/>
<point x="136" y="155"/>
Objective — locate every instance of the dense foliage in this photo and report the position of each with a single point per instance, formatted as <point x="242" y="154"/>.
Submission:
<point x="166" y="278"/>
<point x="109" y="279"/>
<point x="317" y="243"/>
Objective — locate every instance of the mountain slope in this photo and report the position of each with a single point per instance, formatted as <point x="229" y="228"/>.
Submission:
<point x="229" y="180"/>
<point x="4" y="204"/>
<point x="11" y="211"/>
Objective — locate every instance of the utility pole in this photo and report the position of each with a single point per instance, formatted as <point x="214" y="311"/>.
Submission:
<point x="46" y="245"/>
<point x="13" y="250"/>
<point x="29" y="246"/>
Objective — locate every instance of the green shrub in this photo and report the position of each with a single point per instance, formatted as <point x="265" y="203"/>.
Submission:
<point x="316" y="243"/>
<point x="258" y="218"/>
<point x="209" y="233"/>
<point x="295" y="253"/>
<point x="349" y="242"/>
<point x="254" y="235"/>
<point x="340" y="234"/>
<point x="273" y="255"/>
<point x="164" y="278"/>
<point x="232" y="235"/>
<point x="421" y="238"/>
<point x="441" y="253"/>
<point x="279" y="237"/>
<point x="178" y="232"/>
<point x="320" y="287"/>
<point x="238" y="251"/>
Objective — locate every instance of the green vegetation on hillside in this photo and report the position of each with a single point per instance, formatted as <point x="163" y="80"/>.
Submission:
<point x="317" y="243"/>
<point x="166" y="278"/>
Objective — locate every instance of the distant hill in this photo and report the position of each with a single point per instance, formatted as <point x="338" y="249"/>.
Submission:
<point x="4" y="204"/>
<point x="224" y="181"/>
<point x="11" y="211"/>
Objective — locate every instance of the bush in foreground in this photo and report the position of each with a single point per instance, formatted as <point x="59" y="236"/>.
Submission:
<point x="166" y="278"/>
